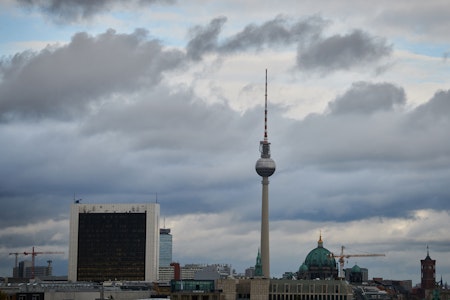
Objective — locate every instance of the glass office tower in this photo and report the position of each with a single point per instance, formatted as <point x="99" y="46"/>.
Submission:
<point x="165" y="247"/>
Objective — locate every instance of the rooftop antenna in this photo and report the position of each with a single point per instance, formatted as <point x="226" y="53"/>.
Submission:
<point x="265" y="112"/>
<point x="264" y="145"/>
<point x="156" y="197"/>
<point x="76" y="200"/>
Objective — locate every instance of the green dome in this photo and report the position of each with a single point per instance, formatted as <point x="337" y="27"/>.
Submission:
<point x="320" y="257"/>
<point x="356" y="269"/>
<point x="303" y="268"/>
<point x="319" y="263"/>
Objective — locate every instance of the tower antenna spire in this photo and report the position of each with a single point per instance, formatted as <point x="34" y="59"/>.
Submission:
<point x="265" y="112"/>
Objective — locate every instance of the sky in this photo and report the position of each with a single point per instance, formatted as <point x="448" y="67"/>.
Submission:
<point x="137" y="101"/>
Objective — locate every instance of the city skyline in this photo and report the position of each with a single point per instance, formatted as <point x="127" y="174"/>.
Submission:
<point x="117" y="103"/>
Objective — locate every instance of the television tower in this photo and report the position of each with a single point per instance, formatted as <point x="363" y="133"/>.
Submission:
<point x="265" y="167"/>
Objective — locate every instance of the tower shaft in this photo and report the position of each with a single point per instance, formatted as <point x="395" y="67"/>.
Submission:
<point x="265" y="250"/>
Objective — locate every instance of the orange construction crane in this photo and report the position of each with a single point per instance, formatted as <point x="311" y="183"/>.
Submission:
<point x="341" y="257"/>
<point x="33" y="255"/>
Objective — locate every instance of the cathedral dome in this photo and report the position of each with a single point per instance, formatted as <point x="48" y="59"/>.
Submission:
<point x="319" y="263"/>
<point x="303" y="268"/>
<point x="320" y="257"/>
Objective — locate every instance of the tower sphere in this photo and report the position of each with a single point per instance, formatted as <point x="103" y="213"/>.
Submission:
<point x="265" y="167"/>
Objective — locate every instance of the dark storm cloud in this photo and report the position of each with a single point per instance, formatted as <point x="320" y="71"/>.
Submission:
<point x="176" y="131"/>
<point x="363" y="158"/>
<point x="431" y="122"/>
<point x="153" y="122"/>
<point x="274" y="33"/>
<point x="73" y="10"/>
<point x="343" y="52"/>
<point x="367" y="98"/>
<point x="26" y="205"/>
<point x="316" y="52"/>
<point x="437" y="108"/>
<point x="60" y="80"/>
<point x="157" y="140"/>
<point x="204" y="38"/>
<point x="364" y="128"/>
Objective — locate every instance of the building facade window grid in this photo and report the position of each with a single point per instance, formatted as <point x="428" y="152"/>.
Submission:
<point x="141" y="234"/>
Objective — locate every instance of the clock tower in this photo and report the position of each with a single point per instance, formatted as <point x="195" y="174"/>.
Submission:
<point x="428" y="271"/>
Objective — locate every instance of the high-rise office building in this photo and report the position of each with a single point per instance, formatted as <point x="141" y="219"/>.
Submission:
<point x="265" y="167"/>
<point x="114" y="242"/>
<point x="25" y="270"/>
<point x="165" y="247"/>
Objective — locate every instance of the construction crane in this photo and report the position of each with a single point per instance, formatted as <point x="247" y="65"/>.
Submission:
<point x="341" y="257"/>
<point x="16" y="262"/>
<point x="33" y="255"/>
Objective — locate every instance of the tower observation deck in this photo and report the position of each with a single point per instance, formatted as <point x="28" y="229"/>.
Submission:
<point x="265" y="167"/>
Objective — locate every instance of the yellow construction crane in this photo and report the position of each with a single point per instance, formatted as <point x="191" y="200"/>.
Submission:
<point x="341" y="257"/>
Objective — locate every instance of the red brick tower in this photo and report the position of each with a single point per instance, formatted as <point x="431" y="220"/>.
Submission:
<point x="428" y="270"/>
